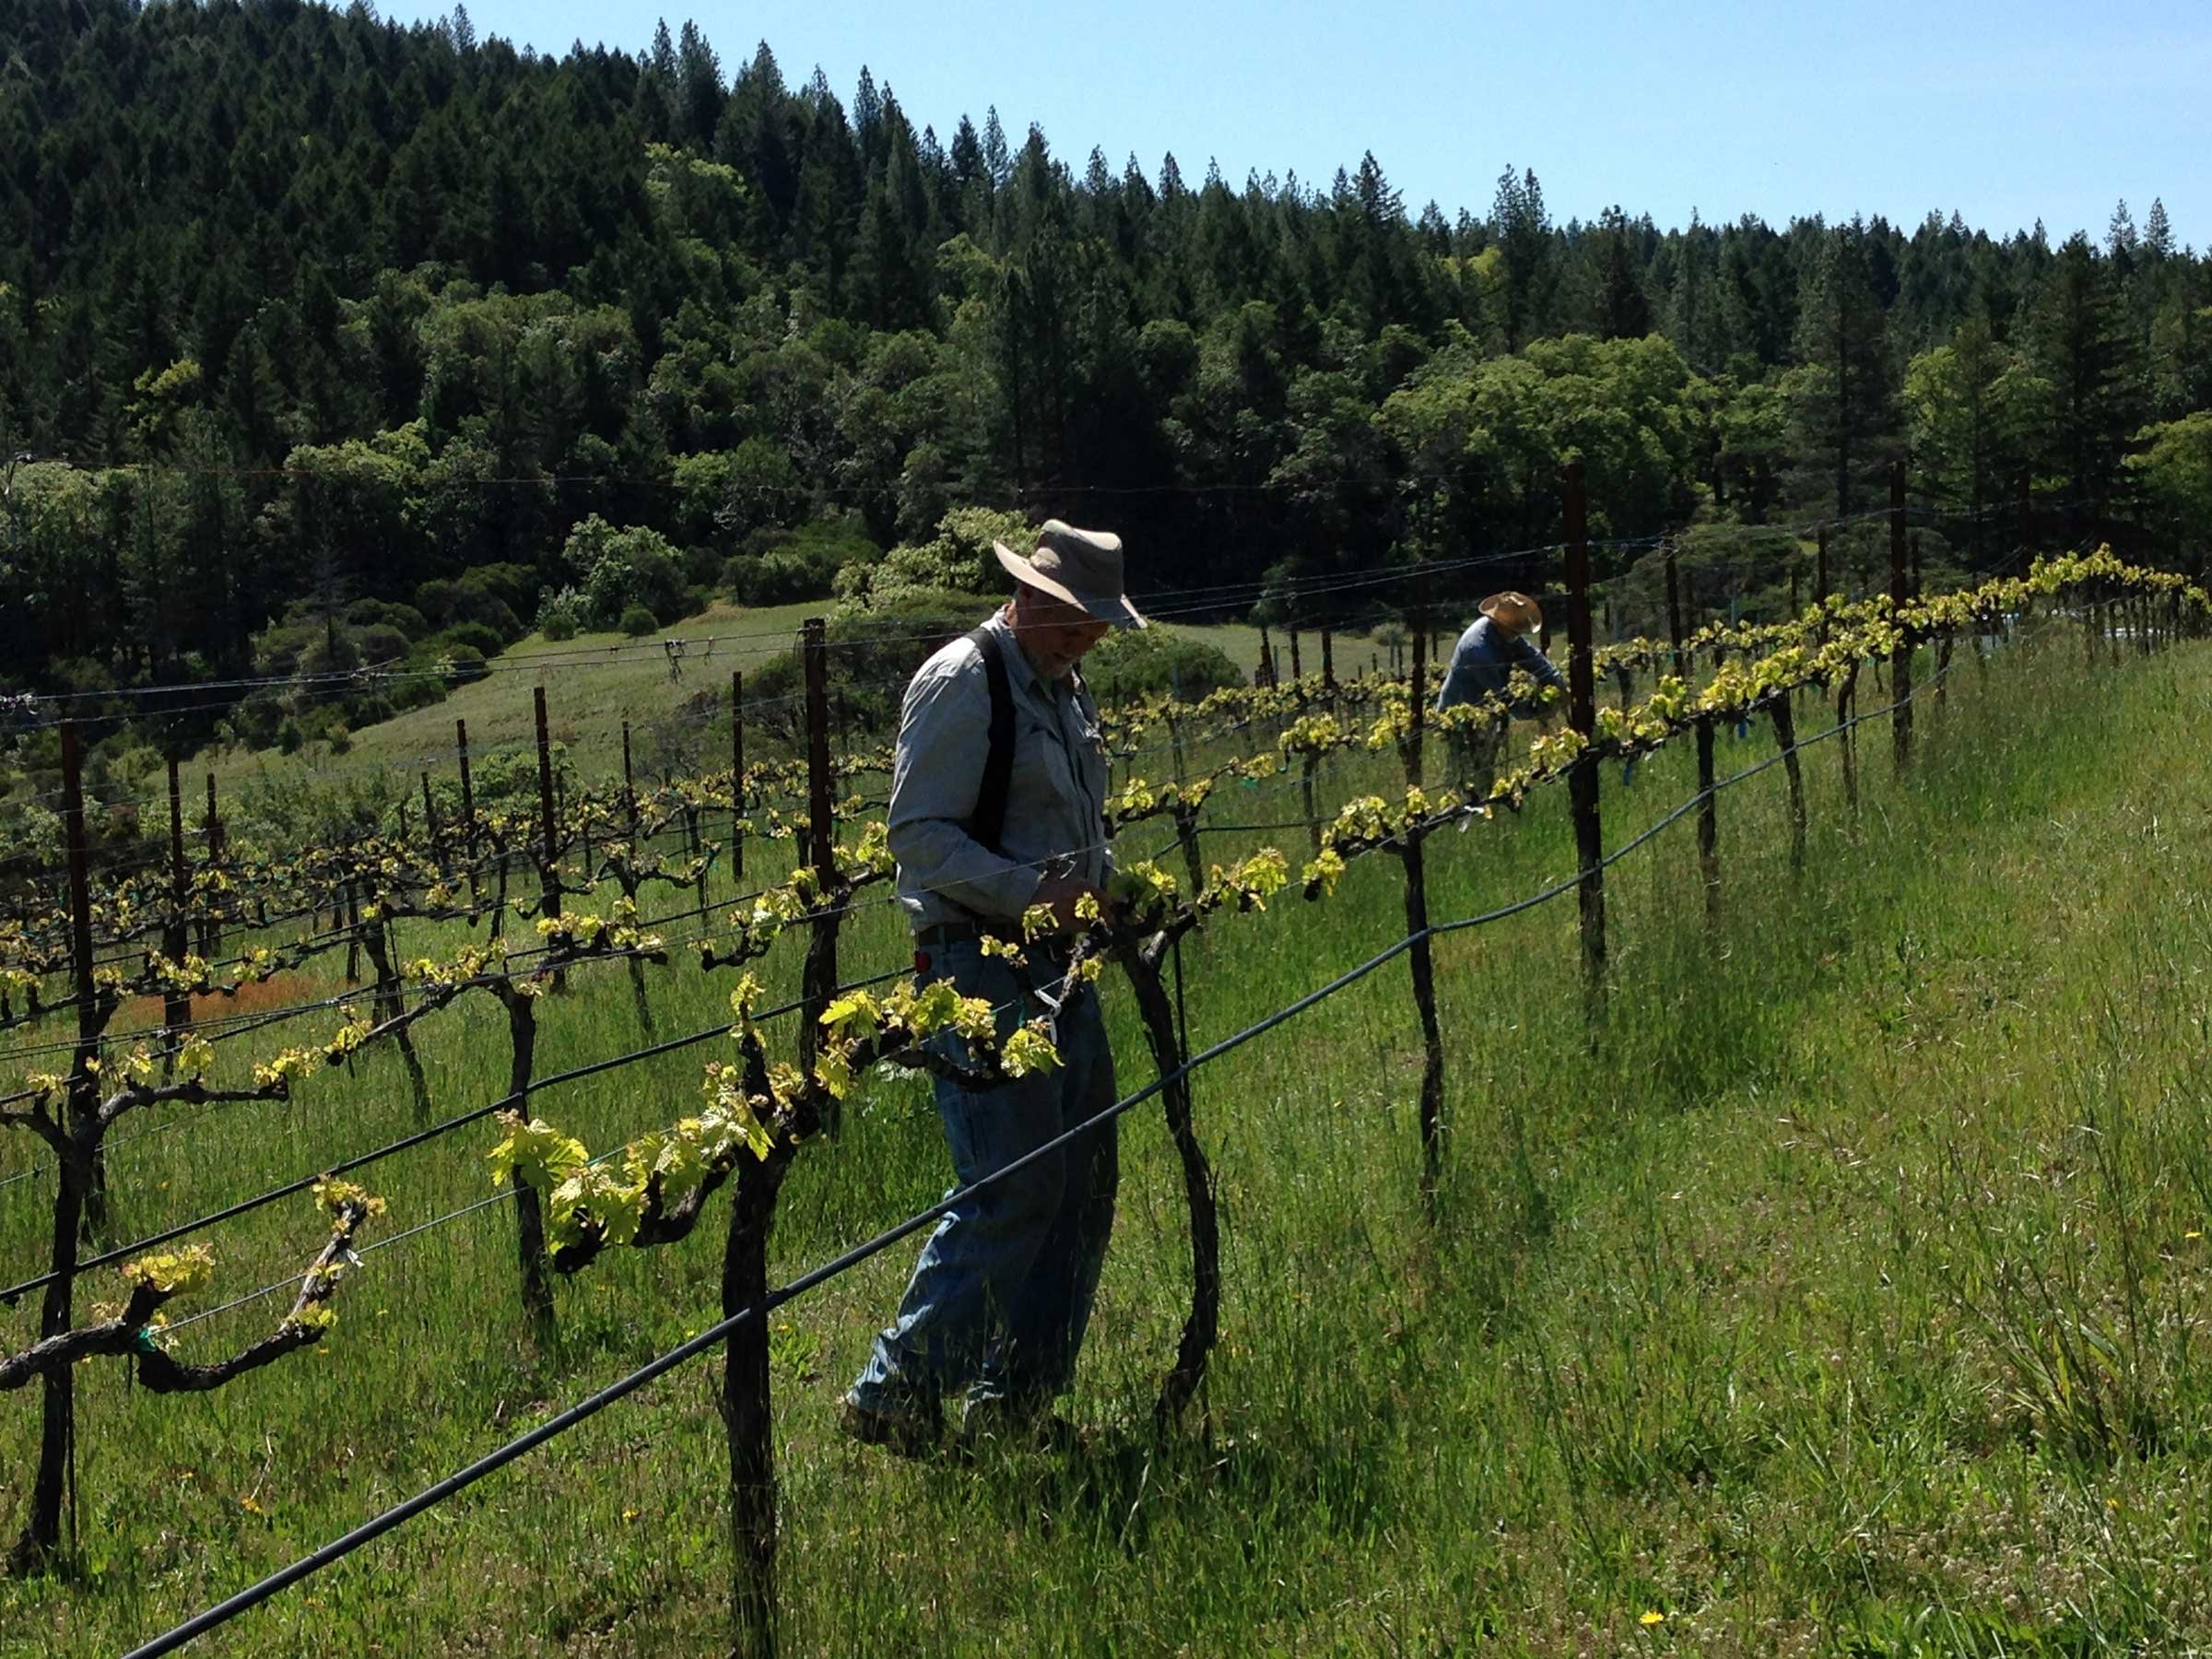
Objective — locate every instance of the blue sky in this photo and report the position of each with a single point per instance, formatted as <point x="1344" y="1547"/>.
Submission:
<point x="2006" y="113"/>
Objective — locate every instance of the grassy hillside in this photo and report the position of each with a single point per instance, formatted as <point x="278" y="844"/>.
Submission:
<point x="1843" y="1294"/>
<point x="594" y="683"/>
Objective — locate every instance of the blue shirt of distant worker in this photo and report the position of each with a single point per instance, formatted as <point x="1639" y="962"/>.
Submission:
<point x="1484" y="660"/>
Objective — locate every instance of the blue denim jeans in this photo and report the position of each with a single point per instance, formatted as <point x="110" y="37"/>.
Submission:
<point x="999" y="1300"/>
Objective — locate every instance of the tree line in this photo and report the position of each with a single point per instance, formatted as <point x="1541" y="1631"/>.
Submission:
<point x="327" y="341"/>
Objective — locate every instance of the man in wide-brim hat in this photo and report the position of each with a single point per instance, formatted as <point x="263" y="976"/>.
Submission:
<point x="1483" y="663"/>
<point x="997" y="806"/>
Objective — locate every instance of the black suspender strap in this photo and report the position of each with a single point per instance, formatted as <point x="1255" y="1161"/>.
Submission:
<point x="988" y="823"/>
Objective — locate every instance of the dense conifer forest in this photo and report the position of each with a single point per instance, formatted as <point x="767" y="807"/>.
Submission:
<point x="325" y="341"/>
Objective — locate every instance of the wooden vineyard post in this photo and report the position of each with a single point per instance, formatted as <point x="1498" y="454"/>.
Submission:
<point x="1678" y="659"/>
<point x="818" y="982"/>
<point x="431" y="825"/>
<point x="1264" y="675"/>
<point x="74" y="1193"/>
<point x="1901" y="656"/>
<point x="529" y="1218"/>
<point x="211" y="929"/>
<point x="548" y="844"/>
<point x="1328" y="659"/>
<point x="1298" y="670"/>
<point x="1416" y="711"/>
<point x="1582" y="700"/>
<point x="747" y="1399"/>
<point x="468" y="816"/>
<point x="1171" y="1049"/>
<point x="630" y="799"/>
<point x="1186" y="815"/>
<point x="737" y="777"/>
<point x="176" y="939"/>
<point x="391" y="1004"/>
<point x="1786" y="734"/>
<point x="1709" y="811"/>
<point x="748" y="1406"/>
<point x="1420" y="958"/>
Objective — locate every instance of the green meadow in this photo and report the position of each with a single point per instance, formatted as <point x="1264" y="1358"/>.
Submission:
<point x="1841" y="1290"/>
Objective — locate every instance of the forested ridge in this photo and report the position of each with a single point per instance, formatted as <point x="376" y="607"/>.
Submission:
<point x="326" y="342"/>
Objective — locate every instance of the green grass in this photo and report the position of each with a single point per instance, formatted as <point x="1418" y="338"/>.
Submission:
<point x="594" y="683"/>
<point x="1744" y="1310"/>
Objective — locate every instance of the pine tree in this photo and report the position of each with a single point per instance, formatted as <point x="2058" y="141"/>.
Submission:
<point x="867" y="120"/>
<point x="2120" y="238"/>
<point x="967" y="154"/>
<point x="1522" y="231"/>
<point x="2158" y="233"/>
<point x="1624" y="311"/>
<point x="998" y="160"/>
<point x="658" y="97"/>
<point x="699" y="90"/>
<point x="2081" y="346"/>
<point x="1841" y="394"/>
<point x="1973" y="408"/>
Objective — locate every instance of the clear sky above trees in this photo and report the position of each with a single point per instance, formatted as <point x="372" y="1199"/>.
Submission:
<point x="2006" y="110"/>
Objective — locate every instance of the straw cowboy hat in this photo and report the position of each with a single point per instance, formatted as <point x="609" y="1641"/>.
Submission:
<point x="1516" y="611"/>
<point x="1082" y="567"/>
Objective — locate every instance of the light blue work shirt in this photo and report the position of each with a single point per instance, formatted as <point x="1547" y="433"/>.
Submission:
<point x="1483" y="662"/>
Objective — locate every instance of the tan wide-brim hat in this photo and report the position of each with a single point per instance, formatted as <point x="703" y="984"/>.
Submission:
<point x="1082" y="567"/>
<point x="1517" y="611"/>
